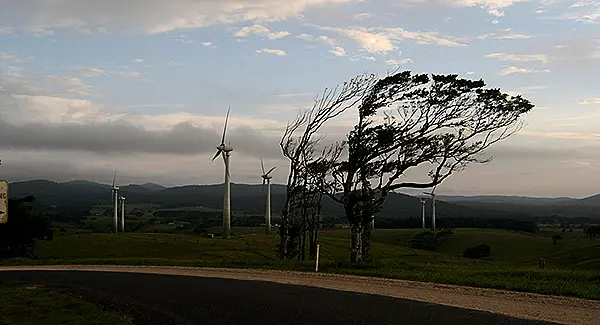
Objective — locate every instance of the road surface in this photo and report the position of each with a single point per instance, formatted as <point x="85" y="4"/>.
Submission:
<point x="179" y="299"/>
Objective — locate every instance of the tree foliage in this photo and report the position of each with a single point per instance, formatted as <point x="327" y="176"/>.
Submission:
<point x="406" y="121"/>
<point x="23" y="229"/>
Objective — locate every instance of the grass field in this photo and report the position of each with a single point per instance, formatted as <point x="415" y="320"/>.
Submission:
<point x="34" y="305"/>
<point x="571" y="267"/>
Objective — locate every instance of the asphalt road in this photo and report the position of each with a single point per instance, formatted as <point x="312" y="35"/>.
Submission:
<point x="169" y="299"/>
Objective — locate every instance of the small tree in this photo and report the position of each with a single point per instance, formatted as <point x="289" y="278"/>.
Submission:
<point x="406" y="121"/>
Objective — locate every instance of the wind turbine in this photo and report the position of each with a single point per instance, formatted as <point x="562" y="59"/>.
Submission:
<point x="115" y="198"/>
<point x="432" y="194"/>
<point x="225" y="151"/>
<point x="423" y="202"/>
<point x="267" y="179"/>
<point x="122" y="198"/>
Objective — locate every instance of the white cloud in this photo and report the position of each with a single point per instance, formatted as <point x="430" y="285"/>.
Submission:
<point x="183" y="39"/>
<point x="584" y="11"/>
<point x="207" y="44"/>
<point x="137" y="60"/>
<point x="5" y="31"/>
<point x="542" y="58"/>
<point x="398" y="62"/>
<point x="504" y="34"/>
<point x="590" y="101"/>
<point x="338" y="51"/>
<point x="494" y="7"/>
<point x="306" y="37"/>
<point x="260" y="30"/>
<point x="326" y="39"/>
<point x="513" y="69"/>
<point x="90" y="72"/>
<point x="150" y="16"/>
<point x="363" y="16"/>
<point x="278" y="35"/>
<point x="272" y="51"/>
<point x="128" y="74"/>
<point x="382" y="40"/>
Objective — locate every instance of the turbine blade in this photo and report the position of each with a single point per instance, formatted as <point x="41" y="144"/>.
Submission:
<point x="216" y="155"/>
<point x="225" y="127"/>
<point x="270" y="170"/>
<point x="114" y="178"/>
<point x="262" y="166"/>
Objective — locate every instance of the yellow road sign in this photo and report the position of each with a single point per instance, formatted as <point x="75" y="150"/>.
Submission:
<point x="3" y="201"/>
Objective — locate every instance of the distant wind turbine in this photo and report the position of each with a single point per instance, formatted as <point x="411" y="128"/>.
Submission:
<point x="423" y="202"/>
<point x="432" y="194"/>
<point x="122" y="198"/>
<point x="267" y="180"/>
<point x="115" y="198"/>
<point x="225" y="151"/>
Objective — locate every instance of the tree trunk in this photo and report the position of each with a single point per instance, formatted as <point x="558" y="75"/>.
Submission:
<point x="356" y="242"/>
<point x="366" y="238"/>
<point x="316" y="235"/>
<point x="285" y="237"/>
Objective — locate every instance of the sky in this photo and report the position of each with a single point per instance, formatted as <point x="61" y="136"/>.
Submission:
<point x="142" y="86"/>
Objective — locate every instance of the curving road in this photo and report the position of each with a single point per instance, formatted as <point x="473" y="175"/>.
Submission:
<point x="176" y="299"/>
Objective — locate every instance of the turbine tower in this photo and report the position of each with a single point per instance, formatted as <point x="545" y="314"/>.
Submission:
<point x="122" y="198"/>
<point x="225" y="151"/>
<point x="267" y="180"/>
<point x="423" y="202"/>
<point x="432" y="194"/>
<point x="115" y="199"/>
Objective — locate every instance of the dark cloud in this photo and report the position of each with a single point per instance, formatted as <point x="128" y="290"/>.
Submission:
<point x="123" y="137"/>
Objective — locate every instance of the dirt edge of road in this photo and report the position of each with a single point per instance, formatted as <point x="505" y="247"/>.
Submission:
<point x="564" y="310"/>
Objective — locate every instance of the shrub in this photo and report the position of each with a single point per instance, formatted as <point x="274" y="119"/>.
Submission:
<point x="429" y="240"/>
<point x="478" y="251"/>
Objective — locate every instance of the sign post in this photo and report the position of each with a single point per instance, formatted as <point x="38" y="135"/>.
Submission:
<point x="3" y="201"/>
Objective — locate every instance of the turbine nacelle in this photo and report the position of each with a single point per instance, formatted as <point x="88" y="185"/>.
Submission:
<point x="265" y="175"/>
<point x="225" y="148"/>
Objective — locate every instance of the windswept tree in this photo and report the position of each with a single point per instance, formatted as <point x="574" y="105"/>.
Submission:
<point x="301" y="144"/>
<point x="407" y="121"/>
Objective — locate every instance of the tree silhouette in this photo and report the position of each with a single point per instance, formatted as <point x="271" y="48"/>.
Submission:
<point x="23" y="229"/>
<point x="406" y="121"/>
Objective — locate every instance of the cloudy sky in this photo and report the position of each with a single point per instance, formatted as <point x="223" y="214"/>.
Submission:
<point x="143" y="85"/>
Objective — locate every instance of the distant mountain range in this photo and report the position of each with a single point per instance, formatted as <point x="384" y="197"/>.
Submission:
<point x="250" y="199"/>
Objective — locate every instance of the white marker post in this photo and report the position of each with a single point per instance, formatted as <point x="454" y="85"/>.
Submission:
<point x="3" y="201"/>
<point x="317" y="261"/>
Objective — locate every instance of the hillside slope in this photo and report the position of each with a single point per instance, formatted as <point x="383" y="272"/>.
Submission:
<point x="250" y="198"/>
